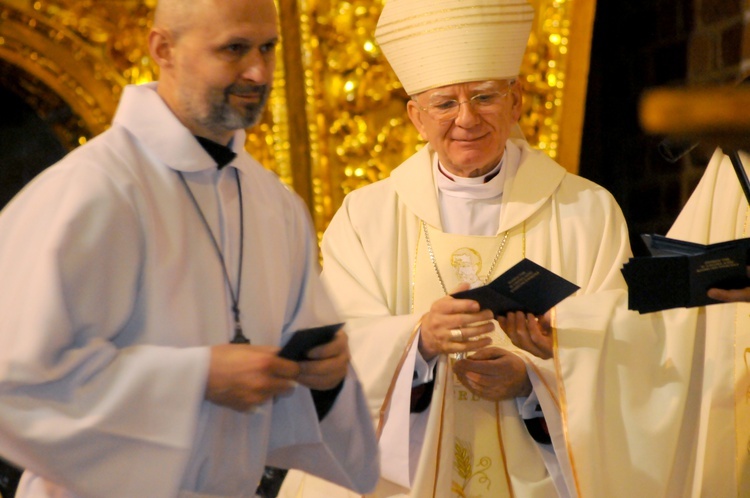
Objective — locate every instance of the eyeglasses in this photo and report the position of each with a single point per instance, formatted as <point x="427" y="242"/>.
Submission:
<point x="483" y="103"/>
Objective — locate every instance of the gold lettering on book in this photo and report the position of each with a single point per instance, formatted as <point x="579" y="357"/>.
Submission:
<point x="522" y="279"/>
<point x="717" y="264"/>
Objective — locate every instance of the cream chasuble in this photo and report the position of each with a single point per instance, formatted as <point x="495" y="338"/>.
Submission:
<point x="469" y="435"/>
<point x="572" y="227"/>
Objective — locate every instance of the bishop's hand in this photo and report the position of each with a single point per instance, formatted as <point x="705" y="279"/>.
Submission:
<point x="528" y="332"/>
<point x="451" y="324"/>
<point x="494" y="373"/>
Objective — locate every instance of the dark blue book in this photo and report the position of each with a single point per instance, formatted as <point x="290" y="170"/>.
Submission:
<point x="525" y="287"/>
<point x="678" y="274"/>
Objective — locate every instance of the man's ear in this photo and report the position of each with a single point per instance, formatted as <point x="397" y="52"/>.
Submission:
<point x="160" y="46"/>
<point x="416" y="118"/>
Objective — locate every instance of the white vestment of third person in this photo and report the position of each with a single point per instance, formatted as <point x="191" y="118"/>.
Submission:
<point x="657" y="404"/>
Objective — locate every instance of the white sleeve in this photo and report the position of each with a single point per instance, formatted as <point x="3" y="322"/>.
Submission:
<point x="424" y="371"/>
<point x="71" y="388"/>
<point x="342" y="448"/>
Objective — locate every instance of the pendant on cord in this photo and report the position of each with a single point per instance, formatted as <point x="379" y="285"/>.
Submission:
<point x="239" y="337"/>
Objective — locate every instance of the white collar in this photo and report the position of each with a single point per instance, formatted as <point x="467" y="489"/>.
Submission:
<point x="471" y="188"/>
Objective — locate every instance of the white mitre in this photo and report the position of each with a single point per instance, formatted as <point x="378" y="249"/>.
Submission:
<point x="434" y="43"/>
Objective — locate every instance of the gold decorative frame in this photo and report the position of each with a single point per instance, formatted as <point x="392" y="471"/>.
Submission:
<point x="336" y="119"/>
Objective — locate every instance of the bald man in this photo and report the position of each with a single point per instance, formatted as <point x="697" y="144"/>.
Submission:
<point x="149" y="279"/>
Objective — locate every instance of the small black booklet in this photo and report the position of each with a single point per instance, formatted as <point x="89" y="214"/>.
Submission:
<point x="678" y="274"/>
<point x="525" y="287"/>
<point x="304" y="340"/>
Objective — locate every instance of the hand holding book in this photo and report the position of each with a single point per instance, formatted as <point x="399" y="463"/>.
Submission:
<point x="526" y="287"/>
<point x="731" y="295"/>
<point x="679" y="274"/>
<point x="519" y="299"/>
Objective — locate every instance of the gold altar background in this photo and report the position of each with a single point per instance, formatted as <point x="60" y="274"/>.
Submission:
<point x="336" y="119"/>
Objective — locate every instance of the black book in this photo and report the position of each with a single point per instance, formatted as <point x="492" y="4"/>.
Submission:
<point x="678" y="274"/>
<point x="525" y="287"/>
<point x="304" y="340"/>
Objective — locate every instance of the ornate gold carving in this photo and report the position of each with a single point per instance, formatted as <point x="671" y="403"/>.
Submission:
<point x="268" y="141"/>
<point x="543" y="73"/>
<point x="355" y="105"/>
<point x="113" y="32"/>
<point x="68" y="47"/>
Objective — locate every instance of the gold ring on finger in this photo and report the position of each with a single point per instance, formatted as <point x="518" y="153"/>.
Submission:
<point x="457" y="335"/>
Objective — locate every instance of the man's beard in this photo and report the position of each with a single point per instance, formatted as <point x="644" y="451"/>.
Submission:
<point x="222" y="116"/>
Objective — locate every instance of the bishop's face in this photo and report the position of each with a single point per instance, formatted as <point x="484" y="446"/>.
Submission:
<point x="221" y="66"/>
<point x="468" y="123"/>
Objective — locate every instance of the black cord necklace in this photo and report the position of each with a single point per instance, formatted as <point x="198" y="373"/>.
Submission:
<point x="239" y="336"/>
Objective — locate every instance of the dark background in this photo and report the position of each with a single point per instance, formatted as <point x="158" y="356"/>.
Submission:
<point x="638" y="45"/>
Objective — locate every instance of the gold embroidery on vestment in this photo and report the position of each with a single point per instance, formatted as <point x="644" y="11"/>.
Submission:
<point x="463" y="463"/>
